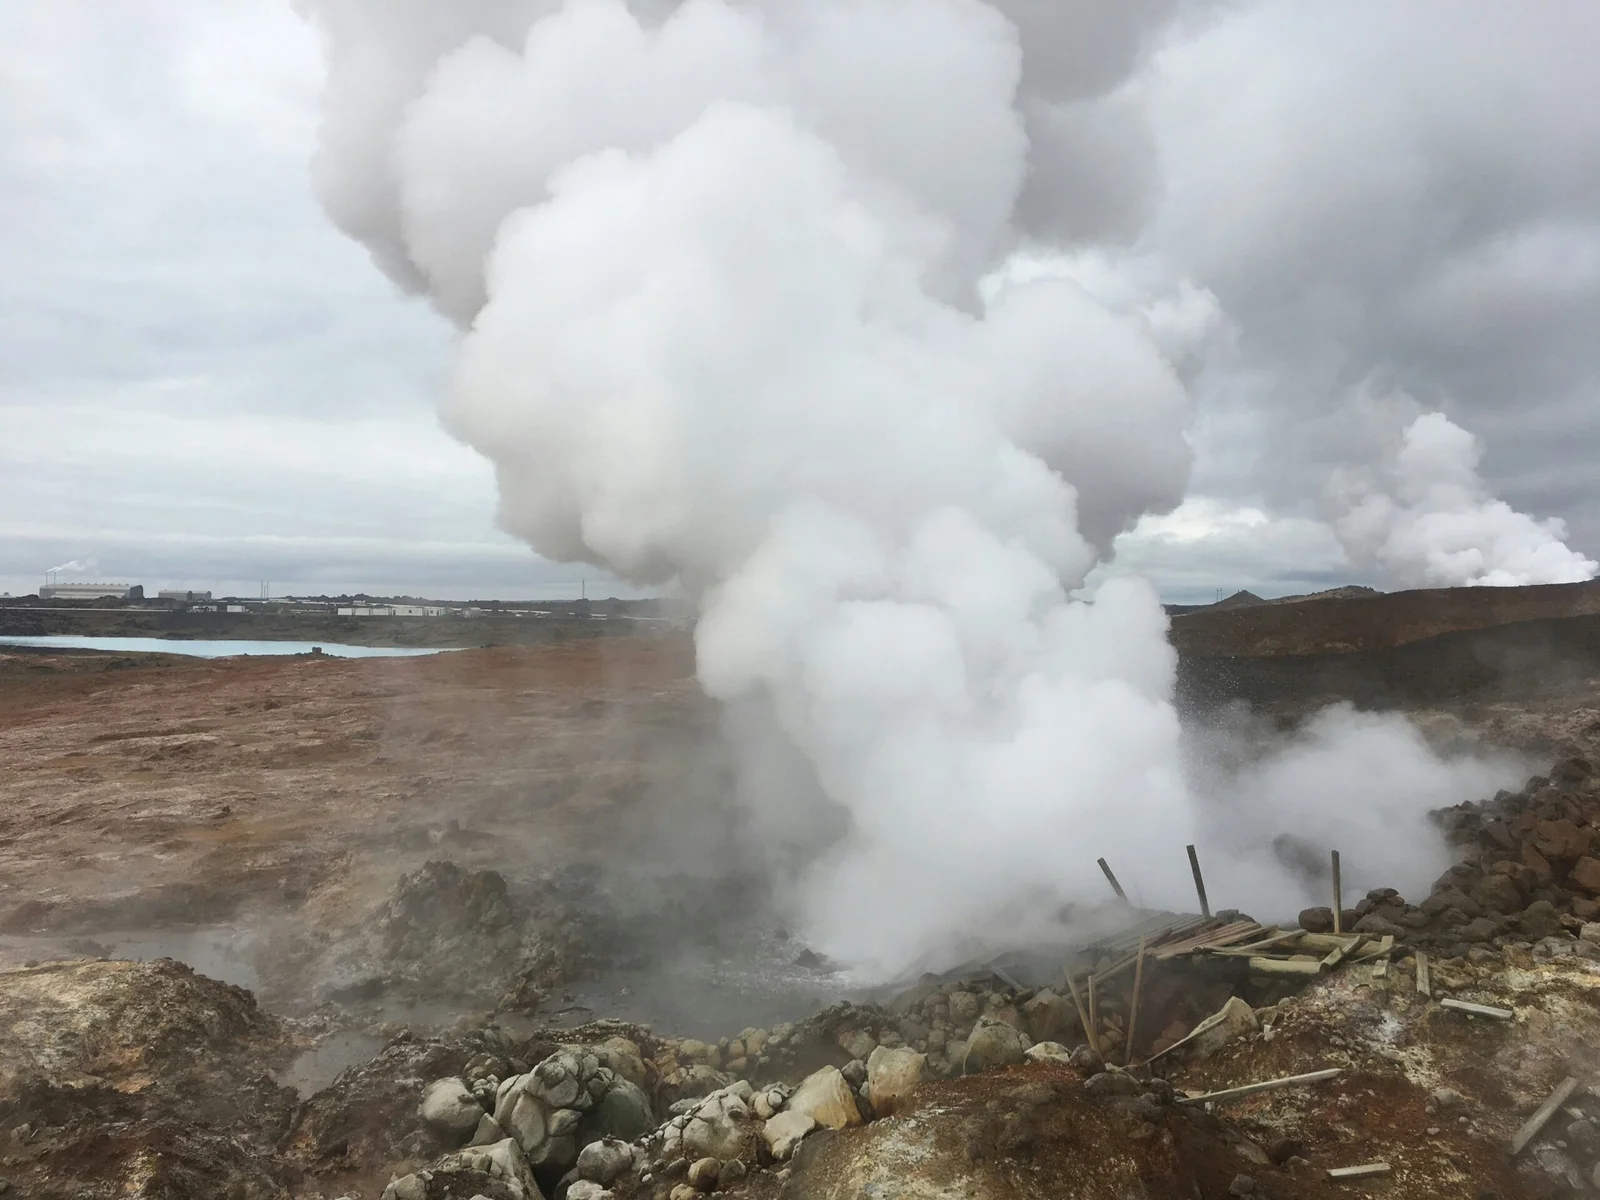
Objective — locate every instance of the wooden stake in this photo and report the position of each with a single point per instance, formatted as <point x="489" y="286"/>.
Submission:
<point x="1478" y="1010"/>
<point x="1540" y="1118"/>
<point x="1112" y="880"/>
<point x="1093" y="1020"/>
<point x="1424" y="978"/>
<point x="1083" y="1016"/>
<point x="1338" y="897"/>
<point x="1270" y="1085"/>
<point x="1199" y="883"/>
<point x="1364" y="1171"/>
<point x="1133" y="1008"/>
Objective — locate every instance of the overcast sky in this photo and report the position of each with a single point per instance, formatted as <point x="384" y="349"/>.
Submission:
<point x="204" y="384"/>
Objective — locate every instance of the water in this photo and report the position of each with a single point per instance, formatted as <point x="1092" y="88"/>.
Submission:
<point x="216" y="649"/>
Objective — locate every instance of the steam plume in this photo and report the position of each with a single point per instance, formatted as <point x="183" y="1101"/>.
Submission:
<point x="1434" y="525"/>
<point x="718" y="269"/>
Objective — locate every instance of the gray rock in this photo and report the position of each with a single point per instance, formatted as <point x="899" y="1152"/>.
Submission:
<point x="785" y="1131"/>
<point x="1316" y="920"/>
<point x="1555" y="1163"/>
<point x="703" y="1173"/>
<point x="1446" y="1099"/>
<point x="1479" y="929"/>
<point x="1242" y="1185"/>
<point x="1583" y="1136"/>
<point x="1085" y="1059"/>
<point x="994" y="1044"/>
<point x="450" y="1108"/>
<point x="562" y="1122"/>
<point x="622" y="1112"/>
<point x="855" y="1071"/>
<point x="487" y="1133"/>
<point x="526" y="1120"/>
<point x="1373" y="923"/>
<point x="583" y="1189"/>
<point x="604" y="1162"/>
<point x="407" y="1187"/>
<point x="1110" y="1083"/>
<point x="892" y="1075"/>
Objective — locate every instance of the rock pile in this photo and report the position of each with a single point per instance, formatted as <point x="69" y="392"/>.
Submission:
<point x="1529" y="876"/>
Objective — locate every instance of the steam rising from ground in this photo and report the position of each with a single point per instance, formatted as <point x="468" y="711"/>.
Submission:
<point x="719" y="273"/>
<point x="1428" y="521"/>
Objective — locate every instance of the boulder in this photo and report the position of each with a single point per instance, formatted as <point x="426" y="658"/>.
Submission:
<point x="722" y="1127"/>
<point x="1234" y="1020"/>
<point x="583" y="1189"/>
<point x="1496" y="894"/>
<point x="703" y="1174"/>
<point x="450" y="1109"/>
<point x="825" y="1098"/>
<point x="1479" y="929"/>
<point x="1537" y="863"/>
<point x="993" y="1044"/>
<point x="1560" y="840"/>
<point x="1049" y="1017"/>
<point x="1048" y="1052"/>
<point x="604" y="1162"/>
<point x="857" y="1043"/>
<point x="502" y="1161"/>
<point x="622" y="1056"/>
<point x="1379" y="925"/>
<point x="623" y="1111"/>
<point x="892" y="1075"/>
<point x="785" y="1131"/>
<point x="1586" y="875"/>
<point x="1539" y="920"/>
<point x="1316" y="920"/>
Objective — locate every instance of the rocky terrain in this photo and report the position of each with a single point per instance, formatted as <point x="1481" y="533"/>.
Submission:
<point x="120" y="1079"/>
<point x="407" y="890"/>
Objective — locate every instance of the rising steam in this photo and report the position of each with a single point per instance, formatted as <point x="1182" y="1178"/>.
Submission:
<point x="1428" y="521"/>
<point x="718" y="270"/>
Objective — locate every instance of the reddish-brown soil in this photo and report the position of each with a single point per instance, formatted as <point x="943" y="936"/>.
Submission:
<point x="180" y="790"/>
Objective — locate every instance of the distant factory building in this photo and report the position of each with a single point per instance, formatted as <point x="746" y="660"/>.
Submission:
<point x="185" y="597"/>
<point x="90" y="591"/>
<point x="393" y="610"/>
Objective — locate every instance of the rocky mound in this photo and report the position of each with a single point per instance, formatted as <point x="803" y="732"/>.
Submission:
<point x="121" y="1078"/>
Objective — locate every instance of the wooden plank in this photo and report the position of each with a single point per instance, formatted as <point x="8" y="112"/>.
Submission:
<point x="1083" y="1017"/>
<point x="1336" y="956"/>
<point x="1224" y="935"/>
<point x="1542" y="1115"/>
<point x="1133" y="1009"/>
<point x="1269" y="1085"/>
<point x="1338" y="896"/>
<point x="1478" y="1010"/>
<point x="1199" y="882"/>
<point x="1116" y="887"/>
<point x="1364" y="1171"/>
<point x="1331" y="941"/>
<point x="1003" y="977"/>
<point x="1094" y="1020"/>
<point x="1382" y="949"/>
<point x="1285" y="967"/>
<point x="1249" y="948"/>
<point x="1424" y="979"/>
<point x="1380" y="969"/>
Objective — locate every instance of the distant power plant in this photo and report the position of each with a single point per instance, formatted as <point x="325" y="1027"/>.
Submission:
<point x="91" y="591"/>
<point x="186" y="597"/>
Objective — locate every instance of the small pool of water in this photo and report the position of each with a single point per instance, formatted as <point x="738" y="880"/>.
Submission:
<point x="215" y="649"/>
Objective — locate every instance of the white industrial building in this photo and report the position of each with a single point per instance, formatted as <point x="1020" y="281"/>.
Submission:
<point x="186" y="597"/>
<point x="86" y="591"/>
<point x="394" y="610"/>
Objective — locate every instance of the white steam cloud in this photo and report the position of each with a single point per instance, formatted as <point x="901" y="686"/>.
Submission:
<point x="74" y="566"/>
<point x="718" y="268"/>
<point x="1428" y="521"/>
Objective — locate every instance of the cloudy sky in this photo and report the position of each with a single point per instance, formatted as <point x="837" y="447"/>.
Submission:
<point x="205" y="384"/>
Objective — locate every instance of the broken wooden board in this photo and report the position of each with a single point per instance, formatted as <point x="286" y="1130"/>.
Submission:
<point x="1268" y="1085"/>
<point x="1478" y="1010"/>
<point x="1331" y="941"/>
<point x="1282" y="967"/>
<point x="1380" y="949"/>
<point x="1542" y="1115"/>
<point x="1424" y="979"/>
<point x="1364" y="1171"/>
